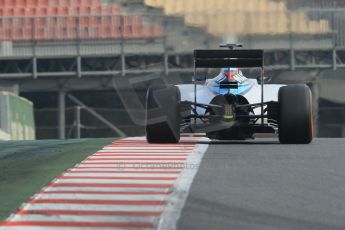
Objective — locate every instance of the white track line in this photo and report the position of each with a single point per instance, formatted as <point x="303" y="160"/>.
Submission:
<point x="178" y="198"/>
<point x="110" y="181"/>
<point x="94" y="157"/>
<point x="140" y="153"/>
<point x="82" y="218"/>
<point x="134" y="175"/>
<point x="105" y="189"/>
<point x="168" y="151"/>
<point x="123" y="166"/>
<point x="102" y="197"/>
<point x="82" y="169"/>
<point x="97" y="207"/>
<point x="119" y="161"/>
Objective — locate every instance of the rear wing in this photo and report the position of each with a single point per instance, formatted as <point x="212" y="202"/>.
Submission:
<point x="228" y="58"/>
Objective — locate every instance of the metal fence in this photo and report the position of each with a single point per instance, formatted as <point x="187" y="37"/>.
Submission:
<point x="81" y="124"/>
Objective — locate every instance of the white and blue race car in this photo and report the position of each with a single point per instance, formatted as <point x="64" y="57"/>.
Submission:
<point x="229" y="106"/>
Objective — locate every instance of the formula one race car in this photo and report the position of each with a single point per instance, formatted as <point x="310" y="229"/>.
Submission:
<point x="229" y="106"/>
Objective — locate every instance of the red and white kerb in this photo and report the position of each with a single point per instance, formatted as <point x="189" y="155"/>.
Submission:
<point x="128" y="184"/>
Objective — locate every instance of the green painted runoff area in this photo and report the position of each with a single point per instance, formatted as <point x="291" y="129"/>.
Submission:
<point x="27" y="166"/>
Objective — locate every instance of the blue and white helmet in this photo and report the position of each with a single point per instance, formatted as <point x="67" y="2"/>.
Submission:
<point x="230" y="74"/>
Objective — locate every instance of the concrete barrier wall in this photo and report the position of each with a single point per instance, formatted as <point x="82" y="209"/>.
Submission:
<point x="16" y="117"/>
<point x="4" y="136"/>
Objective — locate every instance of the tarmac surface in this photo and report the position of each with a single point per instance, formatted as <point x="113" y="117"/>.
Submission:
<point x="265" y="185"/>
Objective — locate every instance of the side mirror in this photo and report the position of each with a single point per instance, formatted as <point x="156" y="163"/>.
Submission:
<point x="267" y="79"/>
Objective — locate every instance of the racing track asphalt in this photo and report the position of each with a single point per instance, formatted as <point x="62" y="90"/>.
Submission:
<point x="264" y="185"/>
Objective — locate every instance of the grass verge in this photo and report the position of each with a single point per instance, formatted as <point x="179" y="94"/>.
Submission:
<point x="27" y="166"/>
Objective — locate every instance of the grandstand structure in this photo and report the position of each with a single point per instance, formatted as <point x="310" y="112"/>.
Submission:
<point x="62" y="46"/>
<point x="67" y="20"/>
<point x="74" y="31"/>
<point x="31" y="30"/>
<point x="239" y="18"/>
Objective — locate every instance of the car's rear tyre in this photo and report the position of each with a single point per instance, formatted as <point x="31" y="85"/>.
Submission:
<point x="163" y="114"/>
<point x="295" y="121"/>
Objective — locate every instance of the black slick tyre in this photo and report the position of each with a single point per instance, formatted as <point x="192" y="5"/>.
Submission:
<point x="163" y="114"/>
<point x="295" y="122"/>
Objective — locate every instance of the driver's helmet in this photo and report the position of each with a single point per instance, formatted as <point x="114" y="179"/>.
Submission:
<point x="230" y="75"/>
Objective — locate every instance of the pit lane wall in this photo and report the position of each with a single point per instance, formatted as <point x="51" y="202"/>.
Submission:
<point x="16" y="118"/>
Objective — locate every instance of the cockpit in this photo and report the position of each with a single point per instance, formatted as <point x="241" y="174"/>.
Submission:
<point x="230" y="75"/>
